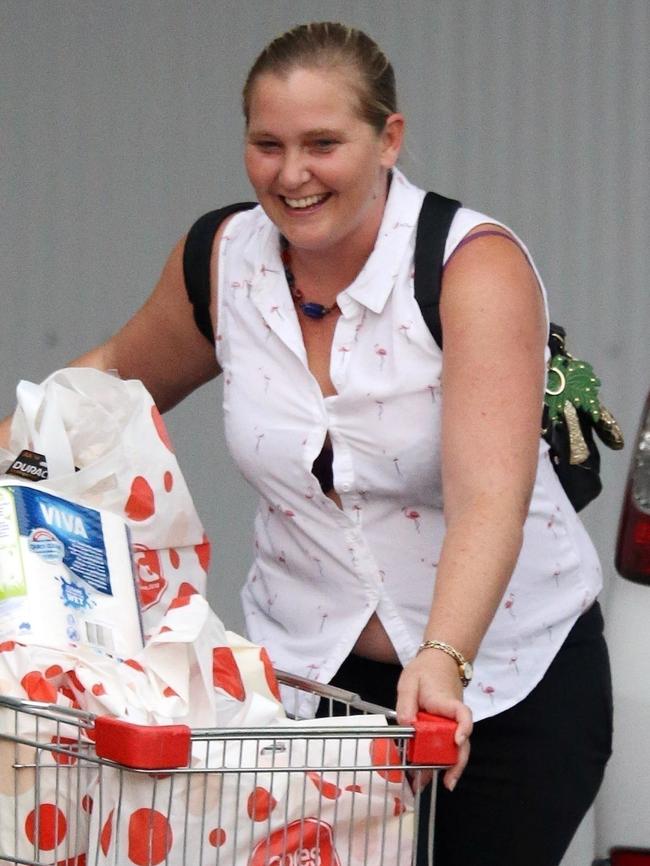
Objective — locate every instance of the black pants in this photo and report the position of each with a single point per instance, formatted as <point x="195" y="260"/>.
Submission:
<point x="534" y="769"/>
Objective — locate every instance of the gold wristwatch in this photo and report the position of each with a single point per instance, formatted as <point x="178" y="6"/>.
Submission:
<point x="465" y="670"/>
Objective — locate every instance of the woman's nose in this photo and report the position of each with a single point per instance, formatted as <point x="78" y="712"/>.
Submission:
<point x="294" y="171"/>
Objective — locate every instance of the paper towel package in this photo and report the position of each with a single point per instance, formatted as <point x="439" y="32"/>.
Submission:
<point x="66" y="575"/>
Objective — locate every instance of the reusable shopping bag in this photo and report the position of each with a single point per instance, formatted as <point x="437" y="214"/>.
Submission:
<point x="106" y="445"/>
<point x="262" y="802"/>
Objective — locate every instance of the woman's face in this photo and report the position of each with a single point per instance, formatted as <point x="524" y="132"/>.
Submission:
<point x="318" y="169"/>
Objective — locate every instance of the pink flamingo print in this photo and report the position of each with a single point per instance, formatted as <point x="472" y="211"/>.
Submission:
<point x="264" y="270"/>
<point x="323" y="620"/>
<point x="259" y="437"/>
<point x="412" y="514"/>
<point x="488" y="690"/>
<point x="309" y="493"/>
<point x="433" y="390"/>
<point x="282" y="559"/>
<point x="276" y="309"/>
<point x="509" y="605"/>
<point x="380" y="409"/>
<point x="513" y="664"/>
<point x="396" y="464"/>
<point x="556" y="575"/>
<point x="320" y="566"/>
<point x="382" y="353"/>
<point x="549" y="631"/>
<point x="404" y="330"/>
<point x="357" y="512"/>
<point x="288" y="512"/>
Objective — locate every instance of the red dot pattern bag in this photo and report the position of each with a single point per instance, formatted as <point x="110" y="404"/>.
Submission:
<point x="106" y="445"/>
<point x="250" y="816"/>
<point x="187" y="673"/>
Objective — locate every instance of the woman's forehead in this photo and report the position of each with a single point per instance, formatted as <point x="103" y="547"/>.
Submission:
<point x="330" y="92"/>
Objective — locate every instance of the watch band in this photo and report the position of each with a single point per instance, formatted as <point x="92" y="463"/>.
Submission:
<point x="464" y="667"/>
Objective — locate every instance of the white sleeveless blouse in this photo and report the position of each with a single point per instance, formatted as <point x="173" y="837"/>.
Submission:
<point x="319" y="572"/>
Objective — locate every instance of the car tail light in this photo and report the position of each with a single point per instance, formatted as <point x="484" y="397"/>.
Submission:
<point x="633" y="545"/>
<point x="629" y="857"/>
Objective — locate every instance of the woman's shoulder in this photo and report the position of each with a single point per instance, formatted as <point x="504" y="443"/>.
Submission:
<point x="467" y="220"/>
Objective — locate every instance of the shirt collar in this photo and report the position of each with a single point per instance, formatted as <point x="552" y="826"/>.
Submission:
<point x="395" y="240"/>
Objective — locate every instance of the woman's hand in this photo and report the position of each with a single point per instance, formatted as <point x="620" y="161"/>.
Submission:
<point x="430" y="682"/>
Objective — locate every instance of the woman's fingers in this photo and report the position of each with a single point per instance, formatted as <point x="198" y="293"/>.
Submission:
<point x="407" y="700"/>
<point x="463" y="732"/>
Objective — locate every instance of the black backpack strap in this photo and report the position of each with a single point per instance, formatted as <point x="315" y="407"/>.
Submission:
<point x="196" y="262"/>
<point x="435" y="218"/>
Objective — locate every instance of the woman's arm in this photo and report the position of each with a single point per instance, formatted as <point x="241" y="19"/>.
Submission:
<point x="160" y="344"/>
<point x="494" y="329"/>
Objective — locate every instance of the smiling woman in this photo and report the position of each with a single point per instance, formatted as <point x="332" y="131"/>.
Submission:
<point x="411" y="530"/>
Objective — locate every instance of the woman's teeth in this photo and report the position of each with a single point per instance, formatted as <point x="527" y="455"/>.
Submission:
<point x="308" y="201"/>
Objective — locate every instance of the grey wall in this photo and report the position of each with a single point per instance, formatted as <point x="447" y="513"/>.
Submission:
<point x="120" y="124"/>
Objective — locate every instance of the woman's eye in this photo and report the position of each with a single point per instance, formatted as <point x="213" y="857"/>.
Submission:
<point x="324" y="144"/>
<point x="267" y="145"/>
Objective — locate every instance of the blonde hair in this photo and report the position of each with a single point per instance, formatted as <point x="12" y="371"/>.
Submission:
<point x="326" y="45"/>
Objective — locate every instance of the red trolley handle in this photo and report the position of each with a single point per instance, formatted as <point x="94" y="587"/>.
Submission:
<point x="168" y="747"/>
<point x="142" y="747"/>
<point x="433" y="743"/>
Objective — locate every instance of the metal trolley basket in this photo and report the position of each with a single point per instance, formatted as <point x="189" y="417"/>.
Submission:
<point x="340" y="792"/>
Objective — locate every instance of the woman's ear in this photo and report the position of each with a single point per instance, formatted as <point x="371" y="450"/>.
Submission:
<point x="392" y="137"/>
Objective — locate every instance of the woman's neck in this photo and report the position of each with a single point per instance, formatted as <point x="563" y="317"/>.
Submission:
<point x="334" y="268"/>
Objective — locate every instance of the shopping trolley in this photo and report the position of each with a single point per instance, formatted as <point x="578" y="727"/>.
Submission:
<point x="80" y="790"/>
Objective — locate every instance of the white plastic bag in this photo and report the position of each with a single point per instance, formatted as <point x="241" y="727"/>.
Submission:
<point x="106" y="445"/>
<point x="258" y="817"/>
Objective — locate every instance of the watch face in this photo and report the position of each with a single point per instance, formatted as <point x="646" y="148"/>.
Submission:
<point x="468" y="671"/>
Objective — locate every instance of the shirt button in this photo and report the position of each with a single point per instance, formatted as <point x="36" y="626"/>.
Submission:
<point x="345" y="487"/>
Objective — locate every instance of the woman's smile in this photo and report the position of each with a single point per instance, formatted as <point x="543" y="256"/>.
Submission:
<point x="307" y="203"/>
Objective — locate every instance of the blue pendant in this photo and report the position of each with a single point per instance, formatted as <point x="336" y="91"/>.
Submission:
<point x="313" y="310"/>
